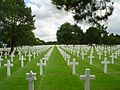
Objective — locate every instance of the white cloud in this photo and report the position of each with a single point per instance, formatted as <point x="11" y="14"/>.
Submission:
<point x="48" y="19"/>
<point x="114" y="21"/>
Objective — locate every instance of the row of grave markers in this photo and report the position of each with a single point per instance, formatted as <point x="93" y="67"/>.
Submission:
<point x="84" y="50"/>
<point x="91" y="57"/>
<point x="114" y="55"/>
<point x="115" y="52"/>
<point x="87" y="77"/>
<point x="9" y="63"/>
<point x="30" y="76"/>
<point x="43" y="62"/>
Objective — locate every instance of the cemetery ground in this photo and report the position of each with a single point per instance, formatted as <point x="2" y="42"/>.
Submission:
<point x="58" y="76"/>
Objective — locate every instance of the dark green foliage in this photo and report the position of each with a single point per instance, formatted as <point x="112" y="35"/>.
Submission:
<point x="87" y="9"/>
<point x="98" y="36"/>
<point x="95" y="35"/>
<point x="51" y="43"/>
<point x="69" y="34"/>
<point x="92" y="35"/>
<point x="39" y="42"/>
<point x="113" y="39"/>
<point x="16" y="23"/>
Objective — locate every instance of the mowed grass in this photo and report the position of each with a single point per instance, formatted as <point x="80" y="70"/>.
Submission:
<point x="17" y="80"/>
<point x="109" y="81"/>
<point x="58" y="76"/>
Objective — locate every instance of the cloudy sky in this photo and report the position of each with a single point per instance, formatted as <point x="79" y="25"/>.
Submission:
<point x="48" y="19"/>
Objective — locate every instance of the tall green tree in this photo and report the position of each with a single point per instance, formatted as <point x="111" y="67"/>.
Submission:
<point x="69" y="34"/>
<point x="39" y="42"/>
<point x="117" y="39"/>
<point x="95" y="35"/>
<point x="16" y="23"/>
<point x="92" y="11"/>
<point x="112" y="40"/>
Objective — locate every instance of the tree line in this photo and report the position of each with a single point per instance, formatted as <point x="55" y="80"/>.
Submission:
<point x="73" y="34"/>
<point x="89" y="11"/>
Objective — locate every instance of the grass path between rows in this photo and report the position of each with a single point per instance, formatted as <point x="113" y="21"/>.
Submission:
<point x="58" y="75"/>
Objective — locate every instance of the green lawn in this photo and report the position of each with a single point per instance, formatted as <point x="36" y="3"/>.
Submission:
<point x="58" y="76"/>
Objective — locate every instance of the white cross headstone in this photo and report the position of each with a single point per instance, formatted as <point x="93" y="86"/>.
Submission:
<point x="37" y="53"/>
<point x="12" y="56"/>
<point x="78" y="52"/>
<point x="116" y="54"/>
<point x="74" y="63"/>
<point x="29" y="56"/>
<point x="31" y="77"/>
<point x="1" y="53"/>
<point x="19" y="53"/>
<point x="105" y="52"/>
<point x="109" y="50"/>
<point x="92" y="50"/>
<point x="41" y="64"/>
<point x="65" y="56"/>
<point x="91" y="58"/>
<point x="112" y="58"/>
<point x="68" y="60"/>
<point x="99" y="55"/>
<point x="22" y="60"/>
<point x="5" y="55"/>
<point x="46" y="57"/>
<point x="34" y="54"/>
<point x="4" y="47"/>
<point x="8" y="65"/>
<point x="105" y="62"/>
<point x="1" y="61"/>
<point x="25" y="52"/>
<point x="83" y="54"/>
<point x="87" y="77"/>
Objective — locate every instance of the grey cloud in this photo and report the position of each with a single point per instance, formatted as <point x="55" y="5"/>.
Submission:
<point x="48" y="19"/>
<point x="114" y="22"/>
